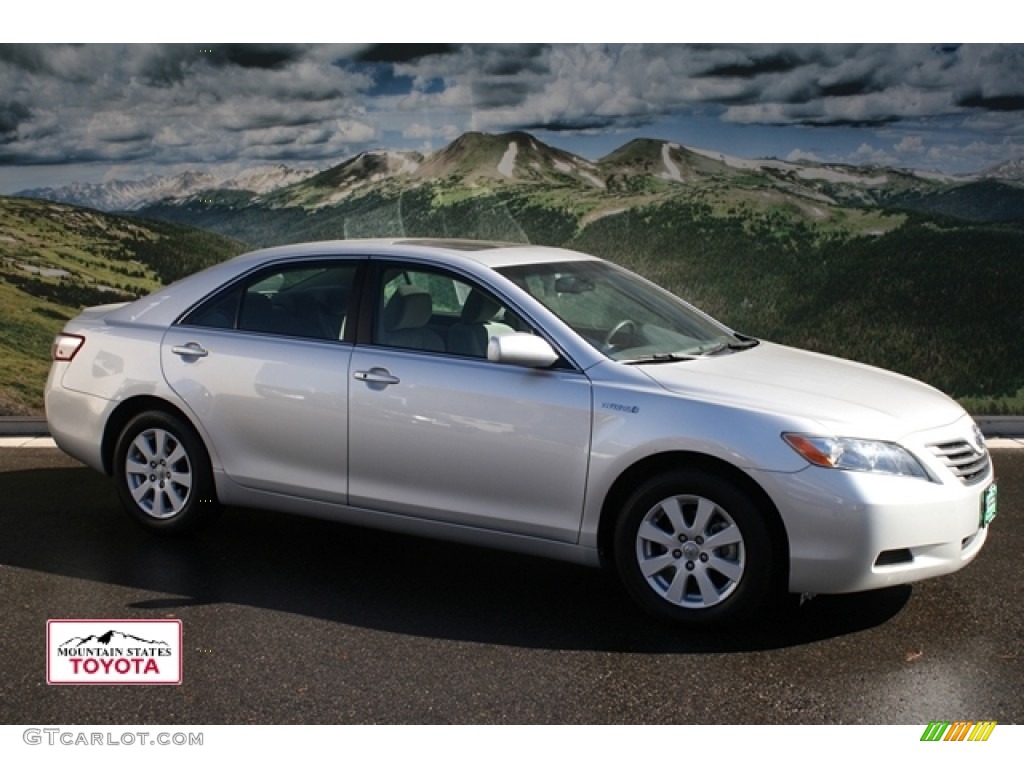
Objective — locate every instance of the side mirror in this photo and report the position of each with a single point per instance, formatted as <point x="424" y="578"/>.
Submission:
<point x="523" y="349"/>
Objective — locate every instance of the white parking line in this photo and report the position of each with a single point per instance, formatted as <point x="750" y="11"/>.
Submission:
<point x="26" y="441"/>
<point x="1002" y="443"/>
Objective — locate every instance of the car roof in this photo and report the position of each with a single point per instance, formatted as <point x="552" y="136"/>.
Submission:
<point x="492" y="254"/>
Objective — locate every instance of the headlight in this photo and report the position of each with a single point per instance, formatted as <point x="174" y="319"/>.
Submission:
<point x="856" y="455"/>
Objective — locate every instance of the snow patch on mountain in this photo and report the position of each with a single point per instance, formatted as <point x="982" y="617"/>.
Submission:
<point x="266" y="178"/>
<point x="398" y="163"/>
<point x="507" y="166"/>
<point x="1011" y="170"/>
<point x="569" y="168"/>
<point x="808" y="173"/>
<point x="672" y="172"/>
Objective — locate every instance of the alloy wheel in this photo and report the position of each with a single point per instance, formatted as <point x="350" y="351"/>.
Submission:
<point x="159" y="473"/>
<point x="690" y="551"/>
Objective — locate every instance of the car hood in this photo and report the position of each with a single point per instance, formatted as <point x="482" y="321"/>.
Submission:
<point x="844" y="397"/>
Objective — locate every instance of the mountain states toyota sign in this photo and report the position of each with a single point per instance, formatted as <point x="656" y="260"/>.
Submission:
<point x="113" y="652"/>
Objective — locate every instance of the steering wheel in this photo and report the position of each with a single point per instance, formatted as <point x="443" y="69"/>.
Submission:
<point x="620" y="327"/>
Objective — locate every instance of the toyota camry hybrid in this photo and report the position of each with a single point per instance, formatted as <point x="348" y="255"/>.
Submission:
<point x="528" y="398"/>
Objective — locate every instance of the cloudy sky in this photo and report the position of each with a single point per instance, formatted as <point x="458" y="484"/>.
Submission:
<point x="100" y="111"/>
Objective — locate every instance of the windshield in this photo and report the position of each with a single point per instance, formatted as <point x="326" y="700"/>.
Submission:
<point x="621" y="315"/>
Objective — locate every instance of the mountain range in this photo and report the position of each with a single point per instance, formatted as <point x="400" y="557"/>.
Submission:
<point x="118" y="195"/>
<point x="516" y="159"/>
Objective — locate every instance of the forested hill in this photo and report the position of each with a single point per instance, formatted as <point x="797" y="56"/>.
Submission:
<point x="56" y="259"/>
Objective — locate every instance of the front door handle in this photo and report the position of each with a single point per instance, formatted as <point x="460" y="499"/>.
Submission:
<point x="376" y="376"/>
<point x="192" y="349"/>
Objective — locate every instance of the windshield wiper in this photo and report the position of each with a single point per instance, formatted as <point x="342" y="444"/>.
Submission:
<point x="661" y="357"/>
<point x="732" y="346"/>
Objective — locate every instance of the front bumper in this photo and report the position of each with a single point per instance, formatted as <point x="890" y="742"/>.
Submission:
<point x="853" y="531"/>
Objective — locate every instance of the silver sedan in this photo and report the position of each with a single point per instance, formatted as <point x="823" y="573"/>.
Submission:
<point x="528" y="398"/>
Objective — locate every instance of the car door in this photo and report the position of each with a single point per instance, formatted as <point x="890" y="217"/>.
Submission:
<point x="437" y="431"/>
<point x="264" y="365"/>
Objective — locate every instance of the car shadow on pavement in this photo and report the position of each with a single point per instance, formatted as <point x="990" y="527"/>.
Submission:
<point x="67" y="522"/>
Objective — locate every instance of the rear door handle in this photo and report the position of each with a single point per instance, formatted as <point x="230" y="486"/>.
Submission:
<point x="376" y="376"/>
<point x="192" y="349"/>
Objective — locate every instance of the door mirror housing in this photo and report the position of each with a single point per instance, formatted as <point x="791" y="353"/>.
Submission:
<point x="523" y="349"/>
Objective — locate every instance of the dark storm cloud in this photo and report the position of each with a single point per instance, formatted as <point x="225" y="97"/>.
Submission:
<point x="512" y="60"/>
<point x="586" y="125"/>
<point x="277" y="119"/>
<point x="403" y="53"/>
<point x="1003" y="103"/>
<point x="745" y="66"/>
<point x="169" y="65"/>
<point x="12" y="114"/>
<point x="251" y="56"/>
<point x="29" y="58"/>
<point x="853" y="87"/>
<point x="841" y="122"/>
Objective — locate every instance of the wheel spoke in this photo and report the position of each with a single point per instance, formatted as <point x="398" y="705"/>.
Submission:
<point x="674" y="512"/>
<point x="139" y="492"/>
<point x="708" y="592"/>
<point x="181" y="480"/>
<point x="705" y="509"/>
<point x="676" y="591"/>
<point x="175" y="498"/>
<point x="655" y="565"/>
<point x="135" y="467"/>
<point x="160" y="439"/>
<point x="141" y="444"/>
<point x="177" y="455"/>
<point x="728" y="568"/>
<point x="159" y="508"/>
<point x="730" y="535"/>
<point x="650" y="532"/>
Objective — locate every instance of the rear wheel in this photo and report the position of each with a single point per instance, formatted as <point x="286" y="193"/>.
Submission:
<point x="163" y="474"/>
<point x="692" y="548"/>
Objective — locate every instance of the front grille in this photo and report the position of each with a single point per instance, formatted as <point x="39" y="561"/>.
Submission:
<point x="963" y="459"/>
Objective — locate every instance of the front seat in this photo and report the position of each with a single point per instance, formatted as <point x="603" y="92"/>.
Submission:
<point x="404" y="319"/>
<point x="475" y="328"/>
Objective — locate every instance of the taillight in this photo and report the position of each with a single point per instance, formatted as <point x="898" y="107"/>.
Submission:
<point x="66" y="346"/>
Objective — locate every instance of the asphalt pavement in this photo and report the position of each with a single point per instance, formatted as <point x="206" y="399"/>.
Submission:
<point x="294" y="620"/>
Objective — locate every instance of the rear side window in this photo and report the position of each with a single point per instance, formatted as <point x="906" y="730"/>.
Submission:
<point x="302" y="300"/>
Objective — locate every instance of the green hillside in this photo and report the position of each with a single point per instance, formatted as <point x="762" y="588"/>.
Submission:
<point x="56" y="259"/>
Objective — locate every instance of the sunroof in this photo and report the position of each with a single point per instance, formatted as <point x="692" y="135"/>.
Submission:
<point x="461" y="245"/>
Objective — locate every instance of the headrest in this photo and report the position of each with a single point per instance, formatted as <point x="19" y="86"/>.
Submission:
<point x="479" y="308"/>
<point x="409" y="307"/>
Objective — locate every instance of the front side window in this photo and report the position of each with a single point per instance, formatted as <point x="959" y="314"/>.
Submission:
<point x="303" y="300"/>
<point x="436" y="311"/>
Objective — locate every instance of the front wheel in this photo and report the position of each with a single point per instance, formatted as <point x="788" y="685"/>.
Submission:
<point x="163" y="474"/>
<point x="692" y="548"/>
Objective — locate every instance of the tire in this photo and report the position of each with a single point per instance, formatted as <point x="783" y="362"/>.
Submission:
<point x="163" y="475"/>
<point x="692" y="548"/>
